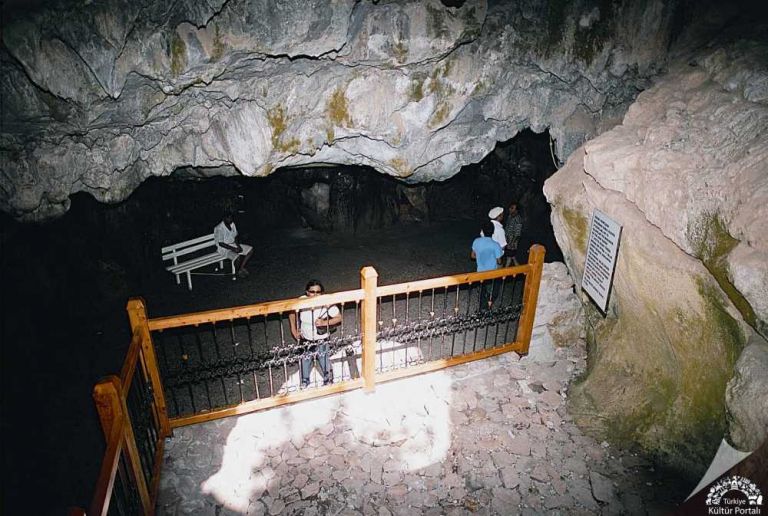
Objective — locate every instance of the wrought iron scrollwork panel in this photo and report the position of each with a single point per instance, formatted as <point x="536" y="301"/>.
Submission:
<point x="216" y="365"/>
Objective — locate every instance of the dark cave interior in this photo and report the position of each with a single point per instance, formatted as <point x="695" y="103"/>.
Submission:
<point x="67" y="280"/>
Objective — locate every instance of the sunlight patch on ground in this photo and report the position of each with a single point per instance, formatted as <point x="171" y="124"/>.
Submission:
<point x="411" y="415"/>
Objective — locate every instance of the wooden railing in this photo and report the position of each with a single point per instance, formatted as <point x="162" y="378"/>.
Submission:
<point x="132" y="407"/>
<point x="134" y="420"/>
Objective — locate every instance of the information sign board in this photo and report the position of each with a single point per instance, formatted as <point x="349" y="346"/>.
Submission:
<point x="602" y="249"/>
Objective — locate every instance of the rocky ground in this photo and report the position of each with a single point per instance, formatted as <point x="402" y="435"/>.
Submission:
<point x="489" y="437"/>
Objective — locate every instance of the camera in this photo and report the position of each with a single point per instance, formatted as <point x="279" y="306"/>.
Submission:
<point x="324" y="329"/>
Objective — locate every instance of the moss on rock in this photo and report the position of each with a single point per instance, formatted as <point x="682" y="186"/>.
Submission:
<point x="416" y="89"/>
<point x="712" y="243"/>
<point x="336" y="109"/>
<point x="401" y="52"/>
<point x="663" y="390"/>
<point x="437" y="80"/>
<point x="577" y="226"/>
<point x="401" y="167"/>
<point x="218" y="45"/>
<point x="278" y="121"/>
<point x="480" y="87"/>
<point x="178" y="55"/>
<point x="441" y="112"/>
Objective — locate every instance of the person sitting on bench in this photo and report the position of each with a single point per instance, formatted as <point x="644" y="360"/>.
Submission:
<point x="228" y="244"/>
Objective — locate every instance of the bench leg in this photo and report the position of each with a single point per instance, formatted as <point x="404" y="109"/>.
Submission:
<point x="189" y="279"/>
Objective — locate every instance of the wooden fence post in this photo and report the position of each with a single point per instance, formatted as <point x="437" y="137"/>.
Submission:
<point x="530" y="296"/>
<point x="368" y="282"/>
<point x="108" y="403"/>
<point x="137" y="315"/>
<point x="111" y="404"/>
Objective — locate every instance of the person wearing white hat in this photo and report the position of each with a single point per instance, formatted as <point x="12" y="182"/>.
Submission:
<point x="497" y="215"/>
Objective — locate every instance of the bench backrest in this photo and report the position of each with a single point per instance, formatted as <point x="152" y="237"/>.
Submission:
<point x="189" y="246"/>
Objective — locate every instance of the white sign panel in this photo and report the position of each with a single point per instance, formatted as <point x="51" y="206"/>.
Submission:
<point x="602" y="249"/>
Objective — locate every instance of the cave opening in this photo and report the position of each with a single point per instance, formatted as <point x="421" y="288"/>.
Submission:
<point x="326" y="202"/>
<point x="80" y="269"/>
<point x="98" y="250"/>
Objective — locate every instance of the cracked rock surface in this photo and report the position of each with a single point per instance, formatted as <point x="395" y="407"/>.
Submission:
<point x="99" y="96"/>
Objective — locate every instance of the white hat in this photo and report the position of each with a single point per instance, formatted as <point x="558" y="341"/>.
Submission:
<point x="495" y="212"/>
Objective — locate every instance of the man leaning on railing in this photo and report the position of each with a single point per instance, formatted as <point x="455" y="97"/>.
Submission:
<point x="312" y="331"/>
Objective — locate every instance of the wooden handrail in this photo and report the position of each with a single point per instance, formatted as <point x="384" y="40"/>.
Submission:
<point x="113" y="412"/>
<point x="443" y="363"/>
<point x="530" y="296"/>
<point x="108" y="472"/>
<point x="450" y="281"/>
<point x="137" y="314"/>
<point x="129" y="366"/>
<point x="290" y="305"/>
<point x="265" y="403"/>
<point x="266" y="308"/>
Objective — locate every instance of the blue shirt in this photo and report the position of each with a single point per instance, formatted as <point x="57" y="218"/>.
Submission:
<point x="487" y="251"/>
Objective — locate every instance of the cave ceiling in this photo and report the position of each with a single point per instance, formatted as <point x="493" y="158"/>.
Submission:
<point x="98" y="96"/>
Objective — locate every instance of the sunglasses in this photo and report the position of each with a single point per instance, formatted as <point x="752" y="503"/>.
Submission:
<point x="314" y="291"/>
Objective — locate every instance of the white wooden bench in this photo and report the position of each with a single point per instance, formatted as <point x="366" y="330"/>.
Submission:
<point x="203" y="257"/>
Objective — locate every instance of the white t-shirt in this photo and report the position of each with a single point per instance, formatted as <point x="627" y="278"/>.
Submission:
<point x="308" y="317"/>
<point x="499" y="236"/>
<point x="225" y="235"/>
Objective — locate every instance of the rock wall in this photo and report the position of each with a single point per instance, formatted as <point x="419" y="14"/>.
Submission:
<point x="686" y="174"/>
<point x="747" y="397"/>
<point x="98" y="96"/>
<point x="559" y="315"/>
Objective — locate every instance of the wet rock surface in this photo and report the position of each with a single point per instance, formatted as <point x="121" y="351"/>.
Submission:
<point x="469" y="439"/>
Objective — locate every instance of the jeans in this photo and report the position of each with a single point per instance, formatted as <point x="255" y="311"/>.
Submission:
<point x="322" y="359"/>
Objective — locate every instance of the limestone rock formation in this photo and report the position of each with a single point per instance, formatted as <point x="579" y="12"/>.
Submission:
<point x="99" y="96"/>
<point x="747" y="397"/>
<point x="558" y="310"/>
<point x="685" y="174"/>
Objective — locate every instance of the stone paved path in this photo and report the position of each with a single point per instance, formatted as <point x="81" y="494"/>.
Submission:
<point x="490" y="437"/>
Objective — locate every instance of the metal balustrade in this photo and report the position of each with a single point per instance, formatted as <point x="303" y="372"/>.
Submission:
<point x="218" y="363"/>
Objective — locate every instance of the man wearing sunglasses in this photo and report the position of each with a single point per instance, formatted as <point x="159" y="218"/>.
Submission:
<point x="312" y="329"/>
